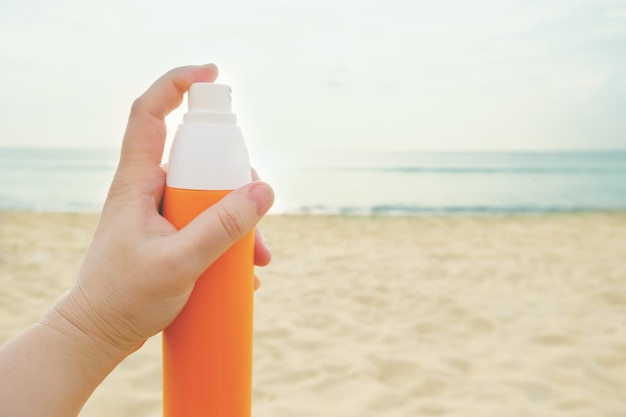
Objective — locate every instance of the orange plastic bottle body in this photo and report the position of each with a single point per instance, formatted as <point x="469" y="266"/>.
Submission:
<point x="207" y="350"/>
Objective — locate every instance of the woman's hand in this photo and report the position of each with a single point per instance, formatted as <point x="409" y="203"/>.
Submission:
<point x="137" y="273"/>
<point x="139" y="270"/>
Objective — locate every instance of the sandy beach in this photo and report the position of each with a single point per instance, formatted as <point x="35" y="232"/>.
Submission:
<point x="521" y="315"/>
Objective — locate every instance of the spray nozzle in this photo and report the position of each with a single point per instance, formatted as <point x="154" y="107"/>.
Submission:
<point x="209" y="97"/>
<point x="209" y="103"/>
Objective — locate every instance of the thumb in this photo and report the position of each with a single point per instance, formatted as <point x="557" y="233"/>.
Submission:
<point x="217" y="228"/>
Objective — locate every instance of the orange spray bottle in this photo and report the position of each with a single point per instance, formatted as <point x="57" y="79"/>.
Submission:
<point x="207" y="350"/>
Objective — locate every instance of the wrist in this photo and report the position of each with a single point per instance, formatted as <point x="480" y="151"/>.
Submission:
<point x="78" y="333"/>
<point x="54" y="362"/>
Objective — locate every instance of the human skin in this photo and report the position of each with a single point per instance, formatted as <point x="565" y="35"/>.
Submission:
<point x="137" y="274"/>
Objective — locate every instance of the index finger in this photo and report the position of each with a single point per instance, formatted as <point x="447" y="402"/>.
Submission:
<point x="145" y="133"/>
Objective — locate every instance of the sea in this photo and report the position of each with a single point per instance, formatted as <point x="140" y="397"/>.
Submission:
<point x="357" y="183"/>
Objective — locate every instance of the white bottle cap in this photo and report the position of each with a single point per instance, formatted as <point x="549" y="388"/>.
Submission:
<point x="209" y="103"/>
<point x="208" y="151"/>
<point x="210" y="97"/>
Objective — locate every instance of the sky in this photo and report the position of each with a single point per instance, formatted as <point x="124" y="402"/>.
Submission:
<point x="357" y="74"/>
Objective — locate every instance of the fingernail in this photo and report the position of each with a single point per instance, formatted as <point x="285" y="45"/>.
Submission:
<point x="261" y="236"/>
<point x="262" y="195"/>
<point x="209" y="65"/>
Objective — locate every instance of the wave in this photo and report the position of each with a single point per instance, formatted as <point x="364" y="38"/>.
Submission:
<point x="404" y="210"/>
<point x="476" y="170"/>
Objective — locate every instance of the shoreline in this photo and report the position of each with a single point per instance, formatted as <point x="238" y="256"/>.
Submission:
<point x="417" y="214"/>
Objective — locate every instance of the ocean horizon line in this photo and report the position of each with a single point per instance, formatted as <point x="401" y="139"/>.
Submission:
<point x="351" y="183"/>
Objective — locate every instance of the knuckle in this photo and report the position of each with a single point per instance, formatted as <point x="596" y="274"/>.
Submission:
<point x="231" y="222"/>
<point x="121" y="190"/>
<point x="137" y="107"/>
